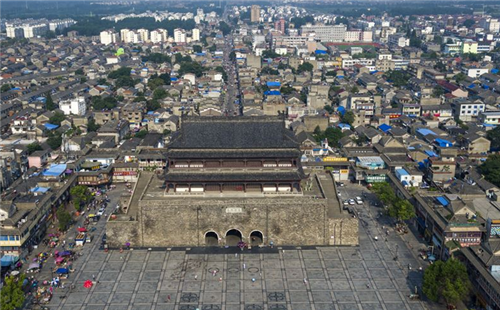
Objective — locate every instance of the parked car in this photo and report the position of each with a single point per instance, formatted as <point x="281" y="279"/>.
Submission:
<point x="352" y="202"/>
<point x="101" y="211"/>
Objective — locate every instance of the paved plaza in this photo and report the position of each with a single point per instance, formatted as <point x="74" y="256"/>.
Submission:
<point x="298" y="279"/>
<point x="308" y="278"/>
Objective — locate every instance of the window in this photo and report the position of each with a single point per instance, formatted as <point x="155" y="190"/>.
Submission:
<point x="4" y="238"/>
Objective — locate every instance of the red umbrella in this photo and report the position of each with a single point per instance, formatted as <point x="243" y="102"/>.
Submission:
<point x="88" y="284"/>
<point x="82" y="229"/>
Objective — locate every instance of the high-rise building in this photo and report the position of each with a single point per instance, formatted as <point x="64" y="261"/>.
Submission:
<point x="33" y="30"/>
<point x="159" y="35"/>
<point x="179" y="35"/>
<point x="143" y="35"/>
<point x="280" y="25"/>
<point x="255" y="14"/>
<point x="123" y="34"/>
<point x="108" y="37"/>
<point x="196" y="34"/>
<point x="14" y="31"/>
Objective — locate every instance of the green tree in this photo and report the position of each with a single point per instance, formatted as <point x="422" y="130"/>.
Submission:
<point x="166" y="132"/>
<point x="328" y="108"/>
<point x="305" y="67"/>
<point x="54" y="140"/>
<point x="33" y="147"/>
<point x="12" y="293"/>
<point x="269" y="54"/>
<point x="448" y="280"/>
<point x="155" y="83"/>
<point x="165" y="77"/>
<point x="437" y="92"/>
<point x="79" y="71"/>
<point x="225" y="28"/>
<point x="64" y="218"/>
<point x="159" y="93"/>
<point x="440" y="66"/>
<point x="80" y="195"/>
<point x="460" y="77"/>
<point x="398" y="208"/>
<point x="332" y="134"/>
<point x="5" y="88"/>
<point x="106" y="103"/>
<point x="469" y="22"/>
<point x="141" y="134"/>
<point x="57" y="118"/>
<point x="348" y="117"/>
<point x="197" y="49"/>
<point x="494" y="136"/>
<point x="124" y="81"/>
<point x="287" y="90"/>
<point x="491" y="169"/>
<point x="49" y="102"/>
<point x="153" y="105"/>
<point x="123" y="71"/>
<point x="92" y="126"/>
<point x="191" y="67"/>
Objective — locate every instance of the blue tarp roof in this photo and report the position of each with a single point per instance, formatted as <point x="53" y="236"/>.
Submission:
<point x="272" y="93"/>
<point x="343" y="125"/>
<point x="273" y="84"/>
<point x="40" y="189"/>
<point x="431" y="153"/>
<point x="55" y="170"/>
<point x="384" y="127"/>
<point x="471" y="85"/>
<point x="51" y="126"/>
<point x="405" y="183"/>
<point x="341" y="110"/>
<point x="320" y="52"/>
<point x="8" y="260"/>
<point x="494" y="71"/>
<point x="443" y="142"/>
<point x="425" y="132"/>
<point x="200" y="54"/>
<point x="401" y="171"/>
<point x="442" y="201"/>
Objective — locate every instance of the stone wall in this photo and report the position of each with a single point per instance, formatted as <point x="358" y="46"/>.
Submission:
<point x="120" y="232"/>
<point x="184" y="222"/>
<point x="343" y="231"/>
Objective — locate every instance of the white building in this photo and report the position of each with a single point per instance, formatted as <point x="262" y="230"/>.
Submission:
<point x="108" y="37"/>
<point x="474" y="72"/>
<point x="75" y="106"/>
<point x="14" y="31"/>
<point x="398" y="40"/>
<point x="179" y="35"/>
<point x="158" y="35"/>
<point x="334" y="33"/>
<point x="413" y="179"/>
<point x="33" y="30"/>
<point x="60" y="24"/>
<point x="196" y="34"/>
<point x="352" y="36"/>
<point x="143" y="35"/>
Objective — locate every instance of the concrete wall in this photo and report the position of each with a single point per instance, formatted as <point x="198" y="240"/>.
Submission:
<point x="184" y="222"/>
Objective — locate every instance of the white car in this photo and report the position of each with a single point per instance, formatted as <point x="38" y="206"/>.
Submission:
<point x="359" y="198"/>
<point x="101" y="211"/>
<point x="346" y="202"/>
<point x="338" y="194"/>
<point x="359" y="202"/>
<point x="351" y="202"/>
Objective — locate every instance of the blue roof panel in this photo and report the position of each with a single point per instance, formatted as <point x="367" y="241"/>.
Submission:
<point x="442" y="201"/>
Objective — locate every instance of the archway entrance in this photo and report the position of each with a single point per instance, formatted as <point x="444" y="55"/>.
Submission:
<point x="211" y="239"/>
<point x="256" y="238"/>
<point x="233" y="237"/>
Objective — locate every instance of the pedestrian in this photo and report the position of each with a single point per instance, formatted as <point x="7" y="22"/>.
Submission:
<point x="196" y="277"/>
<point x="244" y="266"/>
<point x="220" y="279"/>
<point x="367" y="285"/>
<point x="253" y="279"/>
<point x="305" y="281"/>
<point x="93" y="277"/>
<point x="235" y="254"/>
<point x="168" y="298"/>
